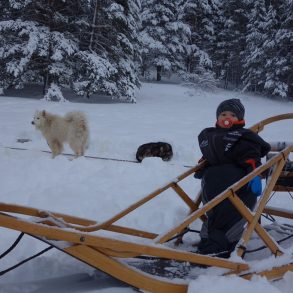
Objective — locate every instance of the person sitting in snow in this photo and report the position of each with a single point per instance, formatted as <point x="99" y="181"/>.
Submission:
<point x="231" y="152"/>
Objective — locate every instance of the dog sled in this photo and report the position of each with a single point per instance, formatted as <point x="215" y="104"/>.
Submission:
<point x="136" y="261"/>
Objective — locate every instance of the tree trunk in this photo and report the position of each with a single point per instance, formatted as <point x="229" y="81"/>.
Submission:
<point x="45" y="84"/>
<point x="159" y="73"/>
<point x="93" y="26"/>
<point x="290" y="86"/>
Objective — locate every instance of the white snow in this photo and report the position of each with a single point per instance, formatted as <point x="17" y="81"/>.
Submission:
<point x="98" y="189"/>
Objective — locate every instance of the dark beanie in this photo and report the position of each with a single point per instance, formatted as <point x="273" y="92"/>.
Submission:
<point x="232" y="105"/>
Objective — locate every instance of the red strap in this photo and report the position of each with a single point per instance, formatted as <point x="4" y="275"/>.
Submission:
<point x="251" y="162"/>
<point x="236" y="122"/>
<point x="239" y="122"/>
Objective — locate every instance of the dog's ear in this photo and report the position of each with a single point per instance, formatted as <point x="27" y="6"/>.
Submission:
<point x="44" y="113"/>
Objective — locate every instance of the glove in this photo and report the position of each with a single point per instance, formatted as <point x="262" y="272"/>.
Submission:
<point x="255" y="185"/>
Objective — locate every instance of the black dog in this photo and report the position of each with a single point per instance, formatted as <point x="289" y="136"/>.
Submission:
<point x="155" y="149"/>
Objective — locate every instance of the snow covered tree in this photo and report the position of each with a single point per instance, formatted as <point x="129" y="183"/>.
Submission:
<point x="5" y="78"/>
<point x="39" y="42"/>
<point x="254" y="58"/>
<point x="268" y="57"/>
<point x="109" y="50"/>
<point x="95" y="46"/>
<point x="87" y="45"/>
<point x="163" y="36"/>
<point x="230" y="31"/>
<point x="199" y="15"/>
<point x="278" y="49"/>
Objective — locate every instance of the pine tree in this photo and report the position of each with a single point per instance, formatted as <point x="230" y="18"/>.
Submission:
<point x="163" y="36"/>
<point x="40" y="44"/>
<point x="254" y="57"/>
<point x="5" y="78"/>
<point x="200" y="16"/>
<point x="230" y="43"/>
<point x="109" y="51"/>
<point x="88" y="45"/>
<point x="278" y="49"/>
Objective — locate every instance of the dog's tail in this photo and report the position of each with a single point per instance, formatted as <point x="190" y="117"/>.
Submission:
<point x="80" y="125"/>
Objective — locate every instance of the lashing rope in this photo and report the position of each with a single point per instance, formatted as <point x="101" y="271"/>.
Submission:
<point x="23" y="261"/>
<point x="186" y="230"/>
<point x="12" y="246"/>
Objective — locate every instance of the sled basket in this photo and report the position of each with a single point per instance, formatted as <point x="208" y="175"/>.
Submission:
<point x="137" y="261"/>
<point x="285" y="180"/>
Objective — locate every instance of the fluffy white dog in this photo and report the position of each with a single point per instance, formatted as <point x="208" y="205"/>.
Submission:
<point x="72" y="128"/>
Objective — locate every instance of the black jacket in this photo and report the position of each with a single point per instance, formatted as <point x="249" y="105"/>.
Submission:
<point x="227" y="152"/>
<point x="235" y="145"/>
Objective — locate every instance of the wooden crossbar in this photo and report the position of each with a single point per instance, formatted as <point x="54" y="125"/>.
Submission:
<point x="284" y="213"/>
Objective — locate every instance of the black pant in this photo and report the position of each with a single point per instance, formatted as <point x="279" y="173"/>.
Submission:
<point x="222" y="217"/>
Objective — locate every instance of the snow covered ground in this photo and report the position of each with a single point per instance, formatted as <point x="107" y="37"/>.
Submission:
<point x="98" y="189"/>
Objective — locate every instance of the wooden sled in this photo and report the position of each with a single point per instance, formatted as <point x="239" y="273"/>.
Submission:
<point x="110" y="254"/>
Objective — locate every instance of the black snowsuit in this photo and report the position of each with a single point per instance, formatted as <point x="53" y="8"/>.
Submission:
<point x="226" y="152"/>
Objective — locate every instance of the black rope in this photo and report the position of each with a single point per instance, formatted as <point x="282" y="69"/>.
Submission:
<point x="263" y="247"/>
<point x="271" y="196"/>
<point x="195" y="231"/>
<point x="12" y="246"/>
<point x="269" y="217"/>
<point x="25" y="260"/>
<point x="146" y="257"/>
<point x="287" y="189"/>
<point x="86" y="156"/>
<point x="186" y="230"/>
<point x="71" y="155"/>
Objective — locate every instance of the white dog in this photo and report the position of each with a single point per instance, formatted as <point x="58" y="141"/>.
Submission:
<point x="72" y="128"/>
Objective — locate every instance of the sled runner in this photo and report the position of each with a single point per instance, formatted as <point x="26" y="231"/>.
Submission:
<point x="145" y="260"/>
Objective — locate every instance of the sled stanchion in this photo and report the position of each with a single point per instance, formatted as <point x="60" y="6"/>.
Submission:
<point x="246" y="213"/>
<point x="196" y="203"/>
<point x="197" y="199"/>
<point x="269" y="187"/>
<point x="184" y="196"/>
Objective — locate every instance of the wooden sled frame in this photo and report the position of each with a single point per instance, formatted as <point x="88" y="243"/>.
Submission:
<point x="104" y="253"/>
